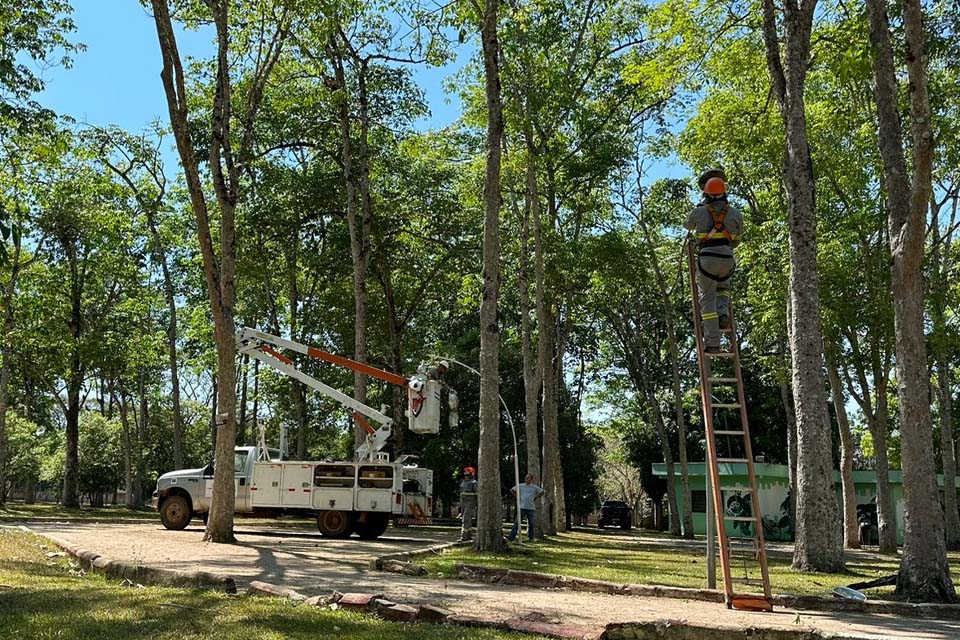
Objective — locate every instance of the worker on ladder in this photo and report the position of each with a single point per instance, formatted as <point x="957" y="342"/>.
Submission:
<point x="717" y="226"/>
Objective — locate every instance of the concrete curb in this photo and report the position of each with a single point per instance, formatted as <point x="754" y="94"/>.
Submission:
<point x="537" y="624"/>
<point x="478" y="573"/>
<point x="683" y="630"/>
<point x="404" y="557"/>
<point x="375" y="605"/>
<point x="145" y="574"/>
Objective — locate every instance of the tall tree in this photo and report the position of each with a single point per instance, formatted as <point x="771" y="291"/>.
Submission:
<point x="851" y="526"/>
<point x="489" y="517"/>
<point x="819" y="546"/>
<point x="227" y="164"/>
<point x="924" y="572"/>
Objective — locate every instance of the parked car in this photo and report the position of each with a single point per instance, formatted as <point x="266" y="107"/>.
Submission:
<point x="615" y="512"/>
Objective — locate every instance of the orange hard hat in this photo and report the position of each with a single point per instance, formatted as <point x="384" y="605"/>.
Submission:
<point x="470" y="470"/>
<point x="715" y="187"/>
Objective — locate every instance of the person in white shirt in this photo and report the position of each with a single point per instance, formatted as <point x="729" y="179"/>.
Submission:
<point x="529" y="493"/>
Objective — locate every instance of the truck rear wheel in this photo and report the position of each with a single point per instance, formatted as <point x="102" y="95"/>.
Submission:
<point x="335" y="524"/>
<point x="372" y="525"/>
<point x="175" y="513"/>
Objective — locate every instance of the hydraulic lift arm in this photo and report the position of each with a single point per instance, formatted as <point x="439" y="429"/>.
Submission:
<point x="263" y="346"/>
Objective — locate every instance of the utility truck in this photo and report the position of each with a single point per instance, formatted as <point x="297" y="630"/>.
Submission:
<point x="360" y="496"/>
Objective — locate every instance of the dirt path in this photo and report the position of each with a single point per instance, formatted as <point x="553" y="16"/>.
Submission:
<point x="301" y="559"/>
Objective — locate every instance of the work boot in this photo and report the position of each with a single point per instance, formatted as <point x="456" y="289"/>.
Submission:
<point x="725" y="324"/>
<point x="711" y="348"/>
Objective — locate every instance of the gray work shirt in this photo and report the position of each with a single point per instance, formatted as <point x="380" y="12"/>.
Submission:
<point x="468" y="490"/>
<point x="700" y="223"/>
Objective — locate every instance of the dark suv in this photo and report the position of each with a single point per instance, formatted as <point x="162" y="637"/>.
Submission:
<point x="615" y="512"/>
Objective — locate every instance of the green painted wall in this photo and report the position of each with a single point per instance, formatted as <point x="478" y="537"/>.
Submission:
<point x="772" y="490"/>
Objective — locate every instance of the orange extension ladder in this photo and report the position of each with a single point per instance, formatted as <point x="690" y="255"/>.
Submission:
<point x="735" y="507"/>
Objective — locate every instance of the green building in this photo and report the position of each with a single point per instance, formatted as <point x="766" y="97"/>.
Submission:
<point x="773" y="492"/>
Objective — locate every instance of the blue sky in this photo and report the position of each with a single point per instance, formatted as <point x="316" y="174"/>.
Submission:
<point x="117" y="79"/>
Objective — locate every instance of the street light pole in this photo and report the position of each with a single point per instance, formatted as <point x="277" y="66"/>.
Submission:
<point x="513" y="431"/>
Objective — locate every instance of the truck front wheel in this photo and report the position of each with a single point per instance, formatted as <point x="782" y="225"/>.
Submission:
<point x="335" y="524"/>
<point x="372" y="526"/>
<point x="175" y="513"/>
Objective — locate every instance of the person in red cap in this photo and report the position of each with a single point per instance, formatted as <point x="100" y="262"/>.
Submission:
<point x="468" y="502"/>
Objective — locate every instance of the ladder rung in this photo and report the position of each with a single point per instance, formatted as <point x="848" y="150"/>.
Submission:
<point x="741" y="489"/>
<point x="740" y="518"/>
<point x="718" y="354"/>
<point x="741" y="460"/>
<point x="728" y="433"/>
<point x="747" y="580"/>
<point x="725" y="405"/>
<point x="722" y="380"/>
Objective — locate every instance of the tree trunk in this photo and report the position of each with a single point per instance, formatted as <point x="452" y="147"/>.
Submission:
<point x="886" y="515"/>
<point x="71" y="470"/>
<point x="170" y="296"/>
<point x="851" y="525"/>
<point x="5" y="364"/>
<point x="489" y="516"/>
<point x="359" y="227"/>
<point x="785" y="395"/>
<point x="819" y="546"/>
<point x="140" y="442"/>
<point x="945" y="409"/>
<point x="924" y="572"/>
<point x="127" y="452"/>
<point x="661" y="426"/>
<point x="676" y="387"/>
<point x="941" y="266"/>
<point x="546" y="348"/>
<point x="531" y="372"/>
<point x="213" y="415"/>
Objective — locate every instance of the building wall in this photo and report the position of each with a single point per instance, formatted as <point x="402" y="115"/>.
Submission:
<point x="773" y="490"/>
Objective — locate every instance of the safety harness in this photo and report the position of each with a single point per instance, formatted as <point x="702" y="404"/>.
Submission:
<point x="718" y="236"/>
<point x="710" y="239"/>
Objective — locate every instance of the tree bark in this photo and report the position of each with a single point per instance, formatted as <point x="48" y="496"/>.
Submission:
<point x="489" y="517"/>
<point x="6" y="353"/>
<point x="947" y="450"/>
<point x="924" y="572"/>
<point x="127" y="452"/>
<point x="359" y="227"/>
<point x="658" y="420"/>
<point x="531" y="372"/>
<point x="886" y="515"/>
<point x="851" y="526"/>
<point x="169" y="294"/>
<point x="226" y="165"/>
<point x="819" y="546"/>
<point x="941" y="265"/>
<point x="674" y="351"/>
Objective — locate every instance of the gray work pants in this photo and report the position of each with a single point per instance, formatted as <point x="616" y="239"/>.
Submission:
<point x="714" y="293"/>
<point x="468" y="509"/>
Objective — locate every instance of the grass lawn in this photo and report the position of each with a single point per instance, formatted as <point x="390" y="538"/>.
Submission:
<point x="43" y="597"/>
<point x="45" y="511"/>
<point x="626" y="558"/>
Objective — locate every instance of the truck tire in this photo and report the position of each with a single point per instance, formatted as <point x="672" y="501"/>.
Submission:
<point x="335" y="524"/>
<point x="175" y="513"/>
<point x="373" y="526"/>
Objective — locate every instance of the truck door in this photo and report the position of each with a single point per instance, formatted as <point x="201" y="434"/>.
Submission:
<point x="297" y="486"/>
<point x="242" y="463"/>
